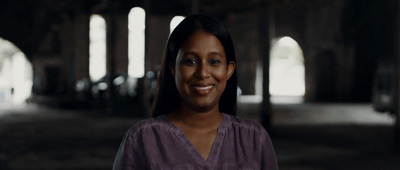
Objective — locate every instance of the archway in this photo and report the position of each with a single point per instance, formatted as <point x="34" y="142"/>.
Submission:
<point x="137" y="25"/>
<point x="175" y="22"/>
<point x="97" y="47"/>
<point x="287" y="77"/>
<point x="15" y="75"/>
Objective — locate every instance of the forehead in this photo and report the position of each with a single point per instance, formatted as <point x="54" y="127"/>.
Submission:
<point x="202" y="41"/>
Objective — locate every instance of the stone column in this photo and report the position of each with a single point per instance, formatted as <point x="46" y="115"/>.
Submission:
<point x="82" y="47"/>
<point x="265" y="25"/>
<point x="397" y="80"/>
<point x="121" y="44"/>
<point x="195" y="6"/>
<point x="111" y="25"/>
<point x="157" y="32"/>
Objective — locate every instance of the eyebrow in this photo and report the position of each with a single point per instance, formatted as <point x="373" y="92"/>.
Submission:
<point x="195" y="54"/>
<point x="216" y="53"/>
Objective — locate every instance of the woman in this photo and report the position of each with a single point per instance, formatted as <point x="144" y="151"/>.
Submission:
<point x="194" y="124"/>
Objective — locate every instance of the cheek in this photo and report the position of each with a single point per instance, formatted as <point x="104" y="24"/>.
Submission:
<point x="220" y="74"/>
<point x="182" y="75"/>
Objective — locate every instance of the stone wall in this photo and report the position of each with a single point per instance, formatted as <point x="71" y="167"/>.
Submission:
<point x="342" y="40"/>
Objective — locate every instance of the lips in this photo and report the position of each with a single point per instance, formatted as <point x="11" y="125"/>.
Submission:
<point x="203" y="89"/>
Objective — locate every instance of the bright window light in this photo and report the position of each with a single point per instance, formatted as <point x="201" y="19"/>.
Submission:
<point x="174" y="22"/>
<point x="97" y="47"/>
<point x="286" y="69"/>
<point x="137" y="25"/>
<point x="15" y="75"/>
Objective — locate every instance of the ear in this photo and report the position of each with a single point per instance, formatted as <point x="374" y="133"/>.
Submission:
<point x="231" y="68"/>
<point x="172" y="69"/>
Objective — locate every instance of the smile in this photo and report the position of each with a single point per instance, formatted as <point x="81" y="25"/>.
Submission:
<point x="203" y="87"/>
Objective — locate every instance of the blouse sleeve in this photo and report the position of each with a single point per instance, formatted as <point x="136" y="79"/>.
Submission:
<point x="129" y="154"/>
<point x="268" y="158"/>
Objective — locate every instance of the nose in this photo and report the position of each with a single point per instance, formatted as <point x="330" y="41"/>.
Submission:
<point x="202" y="71"/>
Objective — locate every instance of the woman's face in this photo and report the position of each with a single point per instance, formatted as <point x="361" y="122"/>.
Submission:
<point x="201" y="71"/>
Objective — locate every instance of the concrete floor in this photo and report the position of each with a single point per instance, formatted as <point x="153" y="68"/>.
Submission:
<point x="305" y="136"/>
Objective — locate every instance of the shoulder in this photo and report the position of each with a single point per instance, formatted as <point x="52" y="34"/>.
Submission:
<point x="248" y="130"/>
<point x="148" y="125"/>
<point x="246" y="124"/>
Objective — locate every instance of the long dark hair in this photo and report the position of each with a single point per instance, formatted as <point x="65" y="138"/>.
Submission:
<point x="167" y="97"/>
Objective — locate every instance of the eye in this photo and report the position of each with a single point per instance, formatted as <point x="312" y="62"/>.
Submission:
<point x="214" y="61"/>
<point x="190" y="62"/>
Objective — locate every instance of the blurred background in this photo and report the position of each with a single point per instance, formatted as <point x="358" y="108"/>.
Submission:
<point x="321" y="76"/>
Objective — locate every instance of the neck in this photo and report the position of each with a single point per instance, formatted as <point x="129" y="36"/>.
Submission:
<point x="187" y="117"/>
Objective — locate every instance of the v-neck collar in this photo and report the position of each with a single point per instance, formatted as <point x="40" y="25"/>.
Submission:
<point x="215" y="149"/>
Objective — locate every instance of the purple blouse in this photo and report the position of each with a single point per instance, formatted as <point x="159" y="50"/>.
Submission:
<point x="158" y="144"/>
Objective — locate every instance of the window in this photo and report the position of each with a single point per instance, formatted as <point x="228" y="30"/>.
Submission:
<point x="15" y="74"/>
<point x="175" y="22"/>
<point x="136" y="26"/>
<point x="286" y="69"/>
<point x="97" y="47"/>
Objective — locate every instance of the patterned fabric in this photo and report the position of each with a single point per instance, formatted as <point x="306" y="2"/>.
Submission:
<point x="158" y="144"/>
